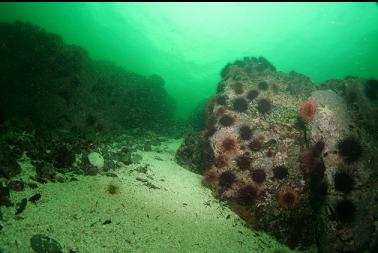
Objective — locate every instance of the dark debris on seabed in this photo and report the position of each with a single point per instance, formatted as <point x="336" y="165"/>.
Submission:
<point x="46" y="166"/>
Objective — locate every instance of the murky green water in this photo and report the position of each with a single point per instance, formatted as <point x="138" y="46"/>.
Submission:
<point x="188" y="43"/>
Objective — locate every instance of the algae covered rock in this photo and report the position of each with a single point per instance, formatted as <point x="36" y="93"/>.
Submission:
<point x="292" y="158"/>
<point x="347" y="214"/>
<point x="251" y="131"/>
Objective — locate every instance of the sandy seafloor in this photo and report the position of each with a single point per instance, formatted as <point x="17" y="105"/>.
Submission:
<point x="180" y="216"/>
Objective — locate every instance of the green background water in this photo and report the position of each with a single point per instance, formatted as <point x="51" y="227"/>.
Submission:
<point x="189" y="43"/>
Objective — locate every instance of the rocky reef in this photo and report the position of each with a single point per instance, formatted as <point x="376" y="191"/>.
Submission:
<point x="293" y="158"/>
<point x="46" y="85"/>
<point x="55" y="102"/>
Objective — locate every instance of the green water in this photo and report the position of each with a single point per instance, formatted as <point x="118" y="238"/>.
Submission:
<point x="188" y="43"/>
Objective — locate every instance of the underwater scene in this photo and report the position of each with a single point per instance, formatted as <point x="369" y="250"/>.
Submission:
<point x="189" y="127"/>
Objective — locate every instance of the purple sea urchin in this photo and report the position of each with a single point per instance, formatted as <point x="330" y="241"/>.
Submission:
<point x="243" y="162"/>
<point x="264" y="106"/>
<point x="263" y="85"/>
<point x="252" y="94"/>
<point x="226" y="120"/>
<point x="226" y="179"/>
<point x="259" y="175"/>
<point x="247" y="195"/>
<point x="349" y="149"/>
<point x="288" y="198"/>
<point x="240" y="104"/>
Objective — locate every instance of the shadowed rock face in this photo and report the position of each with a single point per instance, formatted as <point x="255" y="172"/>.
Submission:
<point x="195" y="154"/>
<point x="47" y="84"/>
<point x="308" y="152"/>
<point x="55" y="101"/>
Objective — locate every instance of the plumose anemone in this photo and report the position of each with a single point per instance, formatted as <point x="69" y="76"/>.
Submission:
<point x="308" y="111"/>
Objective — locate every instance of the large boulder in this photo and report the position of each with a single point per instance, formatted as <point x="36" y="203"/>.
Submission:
<point x="289" y="157"/>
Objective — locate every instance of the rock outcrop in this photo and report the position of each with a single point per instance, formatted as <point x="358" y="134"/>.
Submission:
<point x="294" y="158"/>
